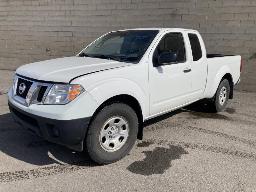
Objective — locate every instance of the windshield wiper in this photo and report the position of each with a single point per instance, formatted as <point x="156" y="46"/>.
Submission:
<point x="129" y="58"/>
<point x="101" y="56"/>
<point x="112" y="57"/>
<point x="121" y="58"/>
<point x="97" y="56"/>
<point x="84" y="55"/>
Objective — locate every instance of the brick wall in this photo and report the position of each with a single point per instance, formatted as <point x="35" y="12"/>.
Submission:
<point x="32" y="30"/>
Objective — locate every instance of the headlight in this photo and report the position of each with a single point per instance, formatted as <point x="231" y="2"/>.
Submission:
<point x="61" y="94"/>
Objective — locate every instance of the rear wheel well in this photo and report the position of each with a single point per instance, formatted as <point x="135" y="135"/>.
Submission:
<point x="228" y="76"/>
<point x="130" y="101"/>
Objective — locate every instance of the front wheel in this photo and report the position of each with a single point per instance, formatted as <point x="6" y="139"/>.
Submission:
<point x="221" y="97"/>
<point x="112" y="133"/>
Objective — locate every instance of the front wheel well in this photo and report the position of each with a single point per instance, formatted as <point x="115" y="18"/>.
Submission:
<point x="130" y="101"/>
<point x="228" y="76"/>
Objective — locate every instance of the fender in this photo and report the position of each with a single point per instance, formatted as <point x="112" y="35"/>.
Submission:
<point x="211" y="90"/>
<point x="104" y="90"/>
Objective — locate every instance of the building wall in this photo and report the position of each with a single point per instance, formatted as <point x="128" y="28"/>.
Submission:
<point x="32" y="30"/>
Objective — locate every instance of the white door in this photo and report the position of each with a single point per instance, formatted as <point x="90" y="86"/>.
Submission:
<point x="170" y="84"/>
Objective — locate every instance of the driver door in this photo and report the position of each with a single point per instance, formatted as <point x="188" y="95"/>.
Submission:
<point x="170" y="84"/>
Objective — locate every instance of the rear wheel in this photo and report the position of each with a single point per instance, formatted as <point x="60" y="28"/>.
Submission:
<point x="220" y="100"/>
<point x="112" y="133"/>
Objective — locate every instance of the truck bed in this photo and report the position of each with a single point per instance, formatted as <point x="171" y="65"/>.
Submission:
<point x="219" y="65"/>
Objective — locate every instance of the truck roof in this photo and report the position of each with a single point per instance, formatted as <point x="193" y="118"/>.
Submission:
<point x="161" y="29"/>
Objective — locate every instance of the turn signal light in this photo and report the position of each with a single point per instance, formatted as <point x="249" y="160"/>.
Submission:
<point x="74" y="91"/>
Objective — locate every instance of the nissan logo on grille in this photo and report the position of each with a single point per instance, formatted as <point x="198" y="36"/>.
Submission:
<point x="22" y="88"/>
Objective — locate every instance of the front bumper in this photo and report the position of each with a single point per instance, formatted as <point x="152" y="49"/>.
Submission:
<point x="70" y="133"/>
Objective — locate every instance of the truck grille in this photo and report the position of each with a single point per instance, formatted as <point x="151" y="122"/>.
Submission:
<point x="27" y="91"/>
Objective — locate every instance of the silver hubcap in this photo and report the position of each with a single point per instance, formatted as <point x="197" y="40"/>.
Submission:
<point x="223" y="95"/>
<point x="114" y="134"/>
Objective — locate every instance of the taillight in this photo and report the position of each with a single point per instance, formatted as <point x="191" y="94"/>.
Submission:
<point x="241" y="66"/>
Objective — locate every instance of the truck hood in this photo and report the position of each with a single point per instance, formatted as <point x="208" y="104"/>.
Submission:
<point x="67" y="68"/>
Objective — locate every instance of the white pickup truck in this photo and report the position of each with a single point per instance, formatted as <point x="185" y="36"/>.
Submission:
<point x="98" y="100"/>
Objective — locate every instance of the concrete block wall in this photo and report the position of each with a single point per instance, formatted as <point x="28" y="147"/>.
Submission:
<point x="33" y="30"/>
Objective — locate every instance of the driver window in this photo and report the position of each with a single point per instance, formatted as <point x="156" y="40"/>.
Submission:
<point x="172" y="42"/>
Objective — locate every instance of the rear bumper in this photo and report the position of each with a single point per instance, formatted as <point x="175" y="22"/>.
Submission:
<point x="70" y="133"/>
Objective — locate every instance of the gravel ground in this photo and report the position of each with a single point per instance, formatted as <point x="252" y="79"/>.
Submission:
<point x="186" y="150"/>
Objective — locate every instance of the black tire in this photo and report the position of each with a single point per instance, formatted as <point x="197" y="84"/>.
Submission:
<point x="93" y="144"/>
<point x="217" y="104"/>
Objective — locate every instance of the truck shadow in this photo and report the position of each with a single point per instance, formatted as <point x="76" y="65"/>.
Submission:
<point x="17" y="142"/>
<point x="201" y="110"/>
<point x="196" y="110"/>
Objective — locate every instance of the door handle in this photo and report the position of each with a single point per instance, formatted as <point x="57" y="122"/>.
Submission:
<point x="187" y="70"/>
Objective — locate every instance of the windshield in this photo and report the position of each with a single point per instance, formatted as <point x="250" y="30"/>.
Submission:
<point x="127" y="46"/>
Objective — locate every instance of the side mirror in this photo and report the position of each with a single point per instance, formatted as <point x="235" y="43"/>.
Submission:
<point x="166" y="58"/>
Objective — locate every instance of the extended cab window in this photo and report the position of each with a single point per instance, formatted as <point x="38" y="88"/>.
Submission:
<point x="172" y="42"/>
<point x="195" y="46"/>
